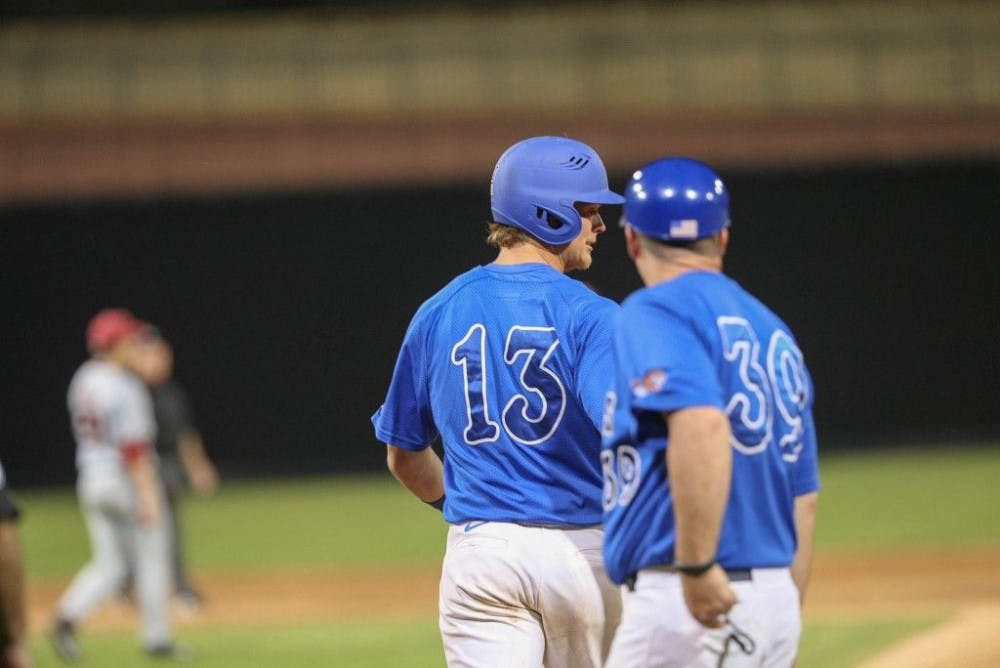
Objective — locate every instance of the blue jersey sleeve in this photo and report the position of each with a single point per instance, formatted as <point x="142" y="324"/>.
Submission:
<point x="671" y="367"/>
<point x="596" y="363"/>
<point x="405" y="419"/>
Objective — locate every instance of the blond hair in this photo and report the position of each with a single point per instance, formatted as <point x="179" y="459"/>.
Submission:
<point x="499" y="235"/>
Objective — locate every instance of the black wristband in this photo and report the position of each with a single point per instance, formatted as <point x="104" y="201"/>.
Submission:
<point x="439" y="504"/>
<point x="695" y="569"/>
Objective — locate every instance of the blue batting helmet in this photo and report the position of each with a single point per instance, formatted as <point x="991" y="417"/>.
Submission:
<point x="676" y="199"/>
<point x="537" y="181"/>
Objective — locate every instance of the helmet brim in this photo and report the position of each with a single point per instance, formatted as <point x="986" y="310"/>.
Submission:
<point x="600" y="197"/>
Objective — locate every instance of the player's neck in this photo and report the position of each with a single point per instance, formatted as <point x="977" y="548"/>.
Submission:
<point x="526" y="253"/>
<point x="660" y="271"/>
<point x="119" y="357"/>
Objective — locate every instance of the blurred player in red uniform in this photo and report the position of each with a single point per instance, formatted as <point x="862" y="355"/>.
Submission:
<point x="119" y="490"/>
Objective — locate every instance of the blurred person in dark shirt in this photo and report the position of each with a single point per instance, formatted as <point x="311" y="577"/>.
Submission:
<point x="183" y="460"/>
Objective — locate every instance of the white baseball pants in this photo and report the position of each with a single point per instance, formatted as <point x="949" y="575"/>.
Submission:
<point x="117" y="539"/>
<point x="657" y="629"/>
<point x="522" y="596"/>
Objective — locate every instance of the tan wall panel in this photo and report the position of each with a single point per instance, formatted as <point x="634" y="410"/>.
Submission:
<point x="918" y="76"/>
<point x="781" y="56"/>
<point x="825" y="77"/>
<point x="985" y="75"/>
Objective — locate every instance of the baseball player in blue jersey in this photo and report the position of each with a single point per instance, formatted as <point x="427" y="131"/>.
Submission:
<point x="507" y="365"/>
<point x="710" y="470"/>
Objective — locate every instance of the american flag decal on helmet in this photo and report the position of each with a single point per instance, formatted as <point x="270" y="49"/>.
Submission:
<point x="684" y="229"/>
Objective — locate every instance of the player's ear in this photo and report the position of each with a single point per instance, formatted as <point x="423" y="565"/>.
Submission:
<point x="632" y="246"/>
<point x="723" y="241"/>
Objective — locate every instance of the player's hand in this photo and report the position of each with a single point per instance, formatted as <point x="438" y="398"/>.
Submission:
<point x="204" y="479"/>
<point x="148" y="512"/>
<point x="708" y="596"/>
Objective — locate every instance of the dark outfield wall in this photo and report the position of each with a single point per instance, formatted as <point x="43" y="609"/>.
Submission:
<point x="286" y="311"/>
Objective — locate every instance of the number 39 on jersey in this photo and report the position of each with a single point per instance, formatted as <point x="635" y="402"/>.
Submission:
<point x="773" y="393"/>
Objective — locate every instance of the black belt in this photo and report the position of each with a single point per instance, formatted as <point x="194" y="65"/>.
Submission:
<point x="734" y="575"/>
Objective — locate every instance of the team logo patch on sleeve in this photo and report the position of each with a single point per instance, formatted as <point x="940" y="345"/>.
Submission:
<point x="651" y="383"/>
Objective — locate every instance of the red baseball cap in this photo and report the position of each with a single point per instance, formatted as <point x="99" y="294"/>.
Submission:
<point x="110" y="326"/>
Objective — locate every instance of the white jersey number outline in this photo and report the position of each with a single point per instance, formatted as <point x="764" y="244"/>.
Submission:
<point x="470" y="355"/>
<point x="781" y="385"/>
<point x="750" y="410"/>
<point x="621" y="469"/>
<point x="787" y="370"/>
<point x="531" y="417"/>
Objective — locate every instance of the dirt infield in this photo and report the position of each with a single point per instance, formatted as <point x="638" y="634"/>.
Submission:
<point x="963" y="586"/>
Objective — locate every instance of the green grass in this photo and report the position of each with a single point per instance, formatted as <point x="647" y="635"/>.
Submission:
<point x="359" y="644"/>
<point x="836" y="644"/>
<point x="348" y="521"/>
<point x="924" y="498"/>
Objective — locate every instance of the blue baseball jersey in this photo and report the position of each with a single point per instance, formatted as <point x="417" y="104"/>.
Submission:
<point x="508" y="364"/>
<point x="701" y="340"/>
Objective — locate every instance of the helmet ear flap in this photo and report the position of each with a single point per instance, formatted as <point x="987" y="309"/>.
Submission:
<point x="548" y="218"/>
<point x="562" y="223"/>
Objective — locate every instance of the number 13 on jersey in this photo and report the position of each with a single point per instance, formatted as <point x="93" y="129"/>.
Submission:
<point x="530" y="416"/>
